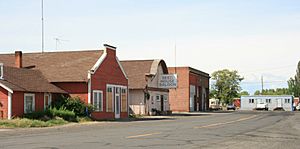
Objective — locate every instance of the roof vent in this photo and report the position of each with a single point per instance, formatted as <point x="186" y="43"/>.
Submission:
<point x="1" y="71"/>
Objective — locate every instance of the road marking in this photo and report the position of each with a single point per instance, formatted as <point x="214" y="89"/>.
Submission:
<point x="224" y="123"/>
<point x="142" y="135"/>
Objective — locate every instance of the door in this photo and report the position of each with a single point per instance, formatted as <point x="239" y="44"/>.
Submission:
<point x="117" y="102"/>
<point x="279" y="103"/>
<point x="192" y="98"/>
<point x="162" y="102"/>
<point x="47" y="100"/>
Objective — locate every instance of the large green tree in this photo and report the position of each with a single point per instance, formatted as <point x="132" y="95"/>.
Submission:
<point x="294" y="83"/>
<point x="226" y="85"/>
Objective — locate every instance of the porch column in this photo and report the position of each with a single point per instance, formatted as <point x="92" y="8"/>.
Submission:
<point x="9" y="106"/>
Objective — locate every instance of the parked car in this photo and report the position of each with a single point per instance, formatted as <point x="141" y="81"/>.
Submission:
<point x="231" y="107"/>
<point x="262" y="106"/>
<point x="298" y="107"/>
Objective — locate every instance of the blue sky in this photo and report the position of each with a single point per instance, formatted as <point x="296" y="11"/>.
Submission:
<point x="257" y="37"/>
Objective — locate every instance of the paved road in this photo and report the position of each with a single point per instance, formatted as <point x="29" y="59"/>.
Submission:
<point x="222" y="130"/>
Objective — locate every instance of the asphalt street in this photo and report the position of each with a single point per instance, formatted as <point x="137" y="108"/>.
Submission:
<point x="211" y="130"/>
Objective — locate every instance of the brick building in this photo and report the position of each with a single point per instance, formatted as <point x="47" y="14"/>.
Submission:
<point x="145" y="93"/>
<point x="192" y="92"/>
<point x="96" y="76"/>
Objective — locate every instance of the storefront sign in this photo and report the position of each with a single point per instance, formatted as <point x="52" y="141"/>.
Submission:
<point x="168" y="81"/>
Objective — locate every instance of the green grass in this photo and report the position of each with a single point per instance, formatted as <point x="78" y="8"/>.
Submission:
<point x="26" y="123"/>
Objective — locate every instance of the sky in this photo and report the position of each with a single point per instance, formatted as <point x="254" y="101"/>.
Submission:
<point x="256" y="38"/>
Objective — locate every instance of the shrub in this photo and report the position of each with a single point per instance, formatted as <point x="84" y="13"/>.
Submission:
<point x="73" y="104"/>
<point x="63" y="113"/>
<point x="36" y="114"/>
<point x="25" y="123"/>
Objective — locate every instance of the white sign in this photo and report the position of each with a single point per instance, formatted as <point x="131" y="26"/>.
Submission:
<point x="167" y="81"/>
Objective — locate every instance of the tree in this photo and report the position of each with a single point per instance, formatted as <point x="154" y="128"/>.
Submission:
<point x="226" y="86"/>
<point x="277" y="91"/>
<point x="294" y="83"/>
<point x="243" y="93"/>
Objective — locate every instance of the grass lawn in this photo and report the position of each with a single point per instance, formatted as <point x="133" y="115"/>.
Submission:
<point x="26" y="123"/>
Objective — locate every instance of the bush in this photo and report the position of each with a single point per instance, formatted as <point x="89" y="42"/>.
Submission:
<point x="25" y="123"/>
<point x="37" y="114"/>
<point x="73" y="104"/>
<point x="63" y="113"/>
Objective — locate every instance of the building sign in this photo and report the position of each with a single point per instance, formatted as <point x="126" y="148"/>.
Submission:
<point x="167" y="81"/>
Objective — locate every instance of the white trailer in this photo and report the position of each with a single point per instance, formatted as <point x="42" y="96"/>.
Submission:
<point x="273" y="102"/>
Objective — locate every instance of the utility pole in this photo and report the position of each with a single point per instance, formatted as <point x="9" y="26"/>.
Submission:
<point x="42" y="26"/>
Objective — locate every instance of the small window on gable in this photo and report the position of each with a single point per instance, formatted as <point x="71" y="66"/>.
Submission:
<point x="1" y="71"/>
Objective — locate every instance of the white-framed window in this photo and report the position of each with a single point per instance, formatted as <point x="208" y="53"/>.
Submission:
<point x="47" y="100"/>
<point x="286" y="100"/>
<point x="29" y="103"/>
<point x="1" y="71"/>
<point x="157" y="98"/>
<point x="165" y="98"/>
<point x="98" y="100"/>
<point x="268" y="100"/>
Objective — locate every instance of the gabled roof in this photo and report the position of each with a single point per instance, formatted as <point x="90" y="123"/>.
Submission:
<point x="137" y="70"/>
<point x="68" y="66"/>
<point x="27" y="80"/>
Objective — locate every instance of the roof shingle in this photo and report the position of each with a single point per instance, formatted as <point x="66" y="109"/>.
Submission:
<point x="22" y="79"/>
<point x="68" y="66"/>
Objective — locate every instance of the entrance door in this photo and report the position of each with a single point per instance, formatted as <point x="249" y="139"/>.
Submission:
<point x="47" y="101"/>
<point x="117" y="102"/>
<point x="192" y="98"/>
<point x="162" y="102"/>
<point x="279" y="102"/>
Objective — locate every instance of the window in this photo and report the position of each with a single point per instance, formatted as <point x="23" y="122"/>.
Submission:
<point x="286" y="100"/>
<point x="29" y="101"/>
<point x="268" y="100"/>
<point x="157" y="98"/>
<point x="117" y="90"/>
<point x="47" y="100"/>
<point x="165" y="98"/>
<point x="1" y="71"/>
<point x="98" y="100"/>
<point x="109" y="89"/>
<point x="251" y="100"/>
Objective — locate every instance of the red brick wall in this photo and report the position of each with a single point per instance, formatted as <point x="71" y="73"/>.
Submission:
<point x="3" y="102"/>
<point x="75" y="89"/>
<point x="109" y="72"/>
<point x="179" y="98"/>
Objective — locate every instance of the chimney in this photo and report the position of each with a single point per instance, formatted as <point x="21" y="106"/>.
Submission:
<point x="18" y="59"/>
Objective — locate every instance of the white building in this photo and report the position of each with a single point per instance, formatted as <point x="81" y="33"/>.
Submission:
<point x="273" y="102"/>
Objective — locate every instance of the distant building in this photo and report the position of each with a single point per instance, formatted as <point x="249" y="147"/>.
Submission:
<point x="145" y="94"/>
<point x="192" y="92"/>
<point x="281" y="101"/>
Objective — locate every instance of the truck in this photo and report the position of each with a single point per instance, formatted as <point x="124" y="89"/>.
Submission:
<point x="262" y="106"/>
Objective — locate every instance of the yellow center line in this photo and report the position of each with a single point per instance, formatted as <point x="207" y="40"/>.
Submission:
<point x="224" y="123"/>
<point x="143" y="135"/>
